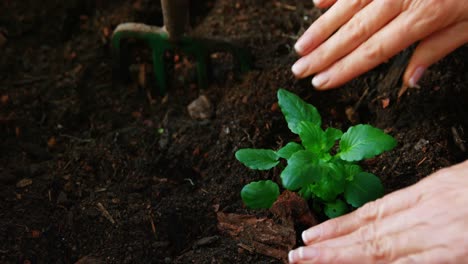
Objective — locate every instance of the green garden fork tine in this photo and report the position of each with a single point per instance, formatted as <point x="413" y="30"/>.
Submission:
<point x="160" y="41"/>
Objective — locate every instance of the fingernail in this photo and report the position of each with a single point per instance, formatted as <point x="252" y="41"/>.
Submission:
<point x="291" y="256"/>
<point x="299" y="67"/>
<point x="310" y="235"/>
<point x="302" y="253"/>
<point x="320" y="79"/>
<point x="317" y="2"/>
<point x="418" y="73"/>
<point x="299" y="46"/>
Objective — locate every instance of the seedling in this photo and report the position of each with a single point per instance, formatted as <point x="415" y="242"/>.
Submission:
<point x="314" y="168"/>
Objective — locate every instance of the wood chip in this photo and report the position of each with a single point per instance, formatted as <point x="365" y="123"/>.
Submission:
<point x="105" y="213"/>
<point x="291" y="207"/>
<point x="385" y="102"/>
<point x="261" y="235"/>
<point x="205" y="241"/>
<point x="351" y="115"/>
<point x="51" y="142"/>
<point x="4" y="99"/>
<point x="274" y="107"/>
<point x="24" y="183"/>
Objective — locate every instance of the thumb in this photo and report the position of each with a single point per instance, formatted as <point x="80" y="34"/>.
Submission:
<point x="432" y="49"/>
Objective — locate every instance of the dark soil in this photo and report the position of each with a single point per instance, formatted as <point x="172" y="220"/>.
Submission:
<point x="103" y="171"/>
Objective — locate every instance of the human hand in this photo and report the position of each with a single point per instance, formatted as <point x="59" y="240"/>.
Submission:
<point x="424" y="223"/>
<point x="354" y="36"/>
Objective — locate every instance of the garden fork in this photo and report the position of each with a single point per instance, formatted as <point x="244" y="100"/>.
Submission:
<point x="173" y="37"/>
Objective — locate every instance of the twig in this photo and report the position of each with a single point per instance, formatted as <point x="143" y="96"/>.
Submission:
<point x="190" y="180"/>
<point x="153" y="226"/>
<point x="66" y="165"/>
<point x="458" y="140"/>
<point x="76" y="138"/>
<point x="105" y="213"/>
<point x="361" y="99"/>
<point x="395" y="163"/>
<point x="285" y="6"/>
<point x="30" y="81"/>
<point x="294" y="37"/>
<point x="248" y="137"/>
<point x="421" y="162"/>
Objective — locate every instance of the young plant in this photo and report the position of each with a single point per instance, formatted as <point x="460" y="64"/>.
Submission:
<point x="313" y="169"/>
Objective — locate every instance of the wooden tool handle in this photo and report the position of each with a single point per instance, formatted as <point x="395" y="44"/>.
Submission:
<point x="176" y="17"/>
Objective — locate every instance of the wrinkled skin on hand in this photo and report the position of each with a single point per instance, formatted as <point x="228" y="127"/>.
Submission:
<point x="424" y="223"/>
<point x="354" y="36"/>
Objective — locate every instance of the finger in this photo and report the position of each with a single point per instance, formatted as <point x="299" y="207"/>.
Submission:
<point x="382" y="250"/>
<point x="433" y="256"/>
<point x="376" y="230"/>
<point x="434" y="48"/>
<point x="370" y="212"/>
<point x="363" y="25"/>
<point x="324" y="3"/>
<point x="409" y="27"/>
<point x="328" y="23"/>
<point x="405" y="220"/>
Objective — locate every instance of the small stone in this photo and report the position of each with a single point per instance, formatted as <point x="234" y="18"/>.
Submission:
<point x="421" y="144"/>
<point x="200" y="108"/>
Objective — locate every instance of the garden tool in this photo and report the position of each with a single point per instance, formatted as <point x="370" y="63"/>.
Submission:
<point x="173" y="37"/>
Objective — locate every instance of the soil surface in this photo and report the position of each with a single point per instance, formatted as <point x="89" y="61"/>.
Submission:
<point x="94" y="169"/>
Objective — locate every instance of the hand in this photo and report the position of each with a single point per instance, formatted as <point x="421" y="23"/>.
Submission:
<point x="354" y="36"/>
<point x="425" y="223"/>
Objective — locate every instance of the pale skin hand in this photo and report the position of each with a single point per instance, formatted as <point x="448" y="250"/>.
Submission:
<point x="424" y="223"/>
<point x="354" y="36"/>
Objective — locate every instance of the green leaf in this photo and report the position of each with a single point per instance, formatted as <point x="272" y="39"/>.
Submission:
<point x="260" y="194"/>
<point x="351" y="170"/>
<point x="296" y="110"/>
<point x="336" y="208"/>
<point x="306" y="192"/>
<point x="312" y="136"/>
<point x="363" y="142"/>
<point x="332" y="135"/>
<point x="332" y="181"/>
<point x="363" y="188"/>
<point x="301" y="170"/>
<point x="287" y="151"/>
<point x="257" y="159"/>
